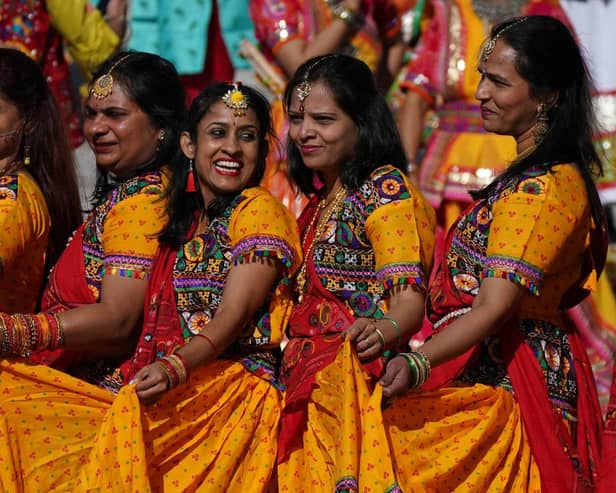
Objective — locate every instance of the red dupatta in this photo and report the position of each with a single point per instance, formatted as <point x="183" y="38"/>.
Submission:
<point x="565" y="464"/>
<point x="315" y="334"/>
<point x="66" y="289"/>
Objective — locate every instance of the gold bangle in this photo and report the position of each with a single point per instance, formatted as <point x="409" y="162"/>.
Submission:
<point x="351" y="18"/>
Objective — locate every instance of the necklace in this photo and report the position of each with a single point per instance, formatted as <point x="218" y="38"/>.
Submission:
<point x="493" y="12"/>
<point x="324" y="212"/>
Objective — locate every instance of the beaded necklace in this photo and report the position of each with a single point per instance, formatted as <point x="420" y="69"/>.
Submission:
<point x="324" y="212"/>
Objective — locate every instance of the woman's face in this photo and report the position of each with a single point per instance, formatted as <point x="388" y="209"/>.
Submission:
<point x="225" y="152"/>
<point x="507" y="107"/>
<point x="325" y="136"/>
<point x="10" y="128"/>
<point x="119" y="132"/>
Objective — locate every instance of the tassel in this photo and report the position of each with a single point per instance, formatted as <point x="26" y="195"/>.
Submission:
<point x="190" y="179"/>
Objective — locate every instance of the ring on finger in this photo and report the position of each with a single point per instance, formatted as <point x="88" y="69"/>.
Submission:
<point x="381" y="337"/>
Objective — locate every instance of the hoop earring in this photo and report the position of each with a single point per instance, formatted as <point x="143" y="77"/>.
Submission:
<point x="542" y="124"/>
<point x="190" y="179"/>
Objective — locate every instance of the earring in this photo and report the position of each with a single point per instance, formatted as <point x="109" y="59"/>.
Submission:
<point x="542" y="124"/>
<point x="27" y="155"/>
<point x="190" y="179"/>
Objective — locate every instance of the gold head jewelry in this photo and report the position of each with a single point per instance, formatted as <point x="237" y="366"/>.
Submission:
<point x="303" y="88"/>
<point x="236" y="101"/>
<point x="103" y="86"/>
<point x="488" y="48"/>
<point x="303" y="91"/>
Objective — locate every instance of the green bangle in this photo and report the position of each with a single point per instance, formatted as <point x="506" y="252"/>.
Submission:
<point x="414" y="369"/>
<point x="396" y="326"/>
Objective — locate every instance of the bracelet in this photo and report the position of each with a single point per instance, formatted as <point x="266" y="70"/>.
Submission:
<point x="351" y="18"/>
<point x="420" y="367"/>
<point x="396" y="326"/>
<point x="179" y="365"/>
<point x="172" y="376"/>
<point x="381" y="336"/>
<point x="211" y="343"/>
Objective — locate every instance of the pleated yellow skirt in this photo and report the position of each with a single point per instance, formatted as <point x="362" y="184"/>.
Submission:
<point x="59" y="434"/>
<point x="462" y="439"/>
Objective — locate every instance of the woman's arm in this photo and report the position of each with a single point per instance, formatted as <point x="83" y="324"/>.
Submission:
<point x="411" y="123"/>
<point x="497" y="301"/>
<point x="246" y="289"/>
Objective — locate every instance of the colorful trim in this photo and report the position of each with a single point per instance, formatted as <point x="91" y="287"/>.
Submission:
<point x="401" y="274"/>
<point x="516" y="271"/>
<point x="247" y="249"/>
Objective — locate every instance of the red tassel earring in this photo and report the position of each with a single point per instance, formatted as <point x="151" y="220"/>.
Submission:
<point x="190" y="179"/>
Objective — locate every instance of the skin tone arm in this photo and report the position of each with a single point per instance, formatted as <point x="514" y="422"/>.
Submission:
<point x="497" y="301"/>
<point x="292" y="54"/>
<point x="406" y="307"/>
<point x="105" y="328"/>
<point x="246" y="289"/>
<point x="411" y="123"/>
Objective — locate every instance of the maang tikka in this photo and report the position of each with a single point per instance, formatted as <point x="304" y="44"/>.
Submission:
<point x="488" y="48"/>
<point x="303" y="88"/>
<point x="236" y="100"/>
<point x="103" y="86"/>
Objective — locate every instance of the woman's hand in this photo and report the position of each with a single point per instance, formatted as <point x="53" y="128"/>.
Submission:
<point x="151" y="383"/>
<point x="397" y="377"/>
<point x="368" y="343"/>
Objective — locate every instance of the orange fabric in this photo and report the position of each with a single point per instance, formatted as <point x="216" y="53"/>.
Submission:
<point x="462" y="439"/>
<point x="24" y="230"/>
<point x="344" y="443"/>
<point x="58" y="433"/>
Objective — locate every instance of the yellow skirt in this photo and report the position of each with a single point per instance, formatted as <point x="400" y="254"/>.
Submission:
<point x="57" y="433"/>
<point x="467" y="439"/>
<point x="455" y="439"/>
<point x="344" y="446"/>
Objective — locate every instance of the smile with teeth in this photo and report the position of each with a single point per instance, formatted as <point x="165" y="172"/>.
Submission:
<point x="230" y="168"/>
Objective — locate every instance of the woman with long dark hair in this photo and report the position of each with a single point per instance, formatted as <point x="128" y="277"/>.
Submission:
<point x="367" y="239"/>
<point x="39" y="199"/>
<point x="507" y="399"/>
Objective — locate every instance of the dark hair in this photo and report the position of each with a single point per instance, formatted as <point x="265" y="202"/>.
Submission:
<point x="154" y="85"/>
<point x="182" y="205"/>
<point x="549" y="59"/>
<point x="51" y="159"/>
<point x="352" y="84"/>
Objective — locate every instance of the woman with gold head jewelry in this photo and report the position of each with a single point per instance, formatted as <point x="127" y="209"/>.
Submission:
<point x="367" y="238"/>
<point x="38" y="186"/>
<point x="440" y="81"/>
<point x="93" y="303"/>
<point x="218" y="299"/>
<point x="503" y="396"/>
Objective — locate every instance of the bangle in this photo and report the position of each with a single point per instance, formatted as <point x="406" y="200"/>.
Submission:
<point x="351" y="18"/>
<point x="381" y="337"/>
<point x="420" y="367"/>
<point x="180" y="366"/>
<point x="172" y="375"/>
<point x="396" y="326"/>
<point x="210" y="342"/>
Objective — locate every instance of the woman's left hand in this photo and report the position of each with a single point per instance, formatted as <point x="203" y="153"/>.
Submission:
<point x="368" y="343"/>
<point x="151" y="383"/>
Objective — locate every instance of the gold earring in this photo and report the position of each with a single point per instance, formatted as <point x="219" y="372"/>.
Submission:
<point x="542" y="124"/>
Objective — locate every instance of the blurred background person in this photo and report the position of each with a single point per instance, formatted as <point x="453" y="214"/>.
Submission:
<point x="39" y="198"/>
